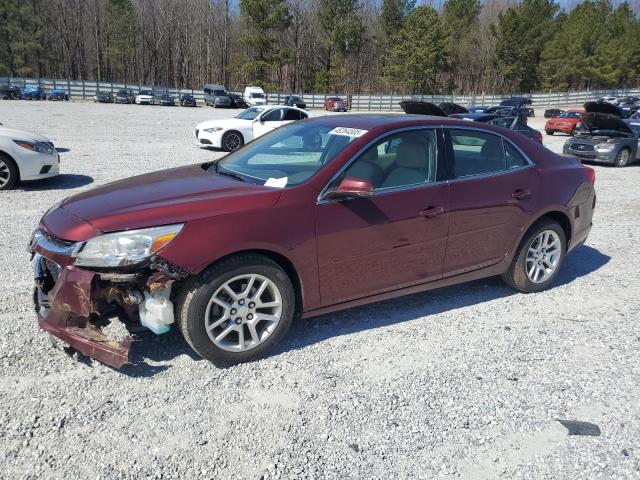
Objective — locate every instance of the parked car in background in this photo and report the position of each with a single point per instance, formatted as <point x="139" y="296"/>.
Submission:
<point x="604" y="137"/>
<point x="10" y="92"/>
<point x="187" y="100"/>
<point x="478" y="108"/>
<point x="103" y="97"/>
<point x="335" y="104"/>
<point x="232" y="133"/>
<point x="216" y="96"/>
<point x="628" y="105"/>
<point x="33" y="93"/>
<point x="167" y="100"/>
<point x="255" y="96"/>
<point x="126" y="96"/>
<point x="57" y="94"/>
<point x="237" y="101"/>
<point x="316" y="217"/>
<point x="566" y="122"/>
<point x="611" y="100"/>
<point x="145" y="97"/>
<point x="553" y="112"/>
<point x="25" y="156"/>
<point x="295" y="101"/>
<point x="521" y="103"/>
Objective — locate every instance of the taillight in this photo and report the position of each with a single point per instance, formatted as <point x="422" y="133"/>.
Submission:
<point x="591" y="173"/>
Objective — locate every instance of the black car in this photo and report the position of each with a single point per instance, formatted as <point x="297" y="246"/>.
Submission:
<point x="294" y="101"/>
<point x="167" y="100"/>
<point x="103" y="97"/>
<point x="125" y="96"/>
<point x="187" y="100"/>
<point x="516" y="122"/>
<point x="629" y="105"/>
<point x="237" y="101"/>
<point x="10" y="92"/>
<point x="521" y="103"/>
<point x="553" y="112"/>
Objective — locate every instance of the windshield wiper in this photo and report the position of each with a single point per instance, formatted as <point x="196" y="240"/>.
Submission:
<point x="229" y="173"/>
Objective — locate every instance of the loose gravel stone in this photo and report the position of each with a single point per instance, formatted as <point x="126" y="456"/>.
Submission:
<point x="462" y="382"/>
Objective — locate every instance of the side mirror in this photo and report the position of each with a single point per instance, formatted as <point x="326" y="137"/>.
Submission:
<point x="350" y="187"/>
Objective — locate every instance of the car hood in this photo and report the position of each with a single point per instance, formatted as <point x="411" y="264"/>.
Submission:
<point x="17" y="134"/>
<point x="161" y="198"/>
<point x="516" y="102"/>
<point x="602" y="107"/>
<point x="452" y="108"/>
<point x="226" y="123"/>
<point x="419" y="107"/>
<point x="601" y="121"/>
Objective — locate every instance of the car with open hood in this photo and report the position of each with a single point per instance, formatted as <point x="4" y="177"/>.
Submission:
<point x="567" y="122"/>
<point x="629" y="105"/>
<point x="232" y="133"/>
<point x="25" y="156"/>
<point x="521" y="103"/>
<point x="317" y="216"/>
<point x="604" y="137"/>
<point x="515" y="122"/>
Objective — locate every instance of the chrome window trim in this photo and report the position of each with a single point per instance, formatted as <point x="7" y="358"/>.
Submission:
<point x="321" y="201"/>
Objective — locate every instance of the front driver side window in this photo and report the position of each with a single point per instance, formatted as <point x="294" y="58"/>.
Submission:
<point x="399" y="160"/>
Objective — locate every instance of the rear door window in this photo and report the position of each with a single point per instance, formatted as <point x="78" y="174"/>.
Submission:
<point x="476" y="153"/>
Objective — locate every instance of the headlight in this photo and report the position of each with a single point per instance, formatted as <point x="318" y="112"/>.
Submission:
<point x="125" y="248"/>
<point x="606" y="147"/>
<point x="35" y="146"/>
<point x="213" y="129"/>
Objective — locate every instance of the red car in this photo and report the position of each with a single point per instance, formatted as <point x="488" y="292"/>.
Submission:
<point x="566" y="122"/>
<point x="314" y="217"/>
<point x="335" y="104"/>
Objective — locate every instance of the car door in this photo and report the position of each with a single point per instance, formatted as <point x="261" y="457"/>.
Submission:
<point x="397" y="236"/>
<point x="269" y="120"/>
<point x="491" y="195"/>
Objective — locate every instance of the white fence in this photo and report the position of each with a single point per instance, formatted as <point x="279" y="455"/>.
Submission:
<point x="85" y="89"/>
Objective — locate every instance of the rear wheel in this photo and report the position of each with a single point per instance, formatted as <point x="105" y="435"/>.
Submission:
<point x="237" y="310"/>
<point x="549" y="132"/>
<point x="9" y="173"/>
<point x="622" y="159"/>
<point x="538" y="259"/>
<point x="232" y="141"/>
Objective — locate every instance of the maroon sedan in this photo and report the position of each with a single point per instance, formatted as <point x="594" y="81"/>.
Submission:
<point x="317" y="216"/>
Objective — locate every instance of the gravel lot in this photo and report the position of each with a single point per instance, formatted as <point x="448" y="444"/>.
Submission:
<point x="463" y="382"/>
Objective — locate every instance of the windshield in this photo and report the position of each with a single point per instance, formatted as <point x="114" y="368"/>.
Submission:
<point x="145" y="92"/>
<point x="257" y="95"/>
<point x="285" y="157"/>
<point x="219" y="93"/>
<point x="123" y="92"/>
<point x="570" y="115"/>
<point x="249" y="113"/>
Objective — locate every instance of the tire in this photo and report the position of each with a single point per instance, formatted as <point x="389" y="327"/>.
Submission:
<point x="228" y="143"/>
<point x="9" y="173"/>
<point x="194" y="303"/>
<point x="517" y="276"/>
<point x="548" y="132"/>
<point x="623" y="158"/>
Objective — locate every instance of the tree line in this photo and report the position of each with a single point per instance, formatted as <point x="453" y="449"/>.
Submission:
<point x="346" y="46"/>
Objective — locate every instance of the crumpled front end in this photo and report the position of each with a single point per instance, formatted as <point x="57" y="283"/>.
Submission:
<point x="75" y="304"/>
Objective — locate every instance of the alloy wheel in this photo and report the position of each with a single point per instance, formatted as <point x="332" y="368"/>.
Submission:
<point x="623" y="158"/>
<point x="543" y="256"/>
<point x="5" y="173"/>
<point x="243" y="312"/>
<point x="232" y="142"/>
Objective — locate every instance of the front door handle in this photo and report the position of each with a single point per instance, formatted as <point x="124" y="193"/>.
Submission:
<point x="521" y="194"/>
<point x="431" y="212"/>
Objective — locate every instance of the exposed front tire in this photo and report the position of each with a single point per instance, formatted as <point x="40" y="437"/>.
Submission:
<point x="237" y="310"/>
<point x="232" y="141"/>
<point x="9" y="173"/>
<point x="623" y="157"/>
<point x="549" y="132"/>
<point x="539" y="258"/>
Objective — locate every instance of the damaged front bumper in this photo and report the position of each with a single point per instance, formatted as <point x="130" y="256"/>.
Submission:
<point x="74" y="304"/>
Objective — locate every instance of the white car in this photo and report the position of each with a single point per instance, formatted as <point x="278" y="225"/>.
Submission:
<point x="145" y="97"/>
<point x="25" y="156"/>
<point x="231" y="133"/>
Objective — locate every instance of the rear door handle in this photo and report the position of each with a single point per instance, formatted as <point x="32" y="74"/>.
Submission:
<point x="521" y="194"/>
<point x="431" y="212"/>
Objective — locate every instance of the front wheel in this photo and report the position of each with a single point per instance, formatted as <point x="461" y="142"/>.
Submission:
<point x="237" y="310"/>
<point x="622" y="159"/>
<point x="539" y="258"/>
<point x="232" y="141"/>
<point x="8" y="173"/>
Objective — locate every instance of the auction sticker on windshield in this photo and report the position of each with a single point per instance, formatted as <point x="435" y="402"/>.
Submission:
<point x="348" y="132"/>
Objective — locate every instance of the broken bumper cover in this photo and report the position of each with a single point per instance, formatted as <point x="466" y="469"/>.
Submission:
<point x="70" y="301"/>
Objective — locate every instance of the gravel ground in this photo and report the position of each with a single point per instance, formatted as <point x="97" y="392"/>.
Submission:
<point x="473" y="381"/>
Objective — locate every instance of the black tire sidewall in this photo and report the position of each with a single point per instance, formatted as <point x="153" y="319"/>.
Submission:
<point x="14" y="173"/>
<point x="194" y="314"/>
<point x="224" y="140"/>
